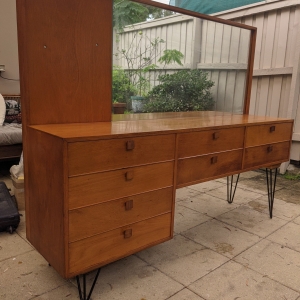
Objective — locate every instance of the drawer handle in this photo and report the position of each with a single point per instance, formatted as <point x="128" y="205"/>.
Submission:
<point x="272" y="128"/>
<point x="216" y="135"/>
<point x="214" y="160"/>
<point x="129" y="175"/>
<point x="127" y="233"/>
<point x="130" y="145"/>
<point x="270" y="149"/>
<point x="129" y="205"/>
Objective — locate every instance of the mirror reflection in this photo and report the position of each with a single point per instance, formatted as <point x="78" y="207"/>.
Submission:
<point x="168" y="62"/>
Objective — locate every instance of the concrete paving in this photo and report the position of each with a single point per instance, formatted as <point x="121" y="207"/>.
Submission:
<point x="220" y="251"/>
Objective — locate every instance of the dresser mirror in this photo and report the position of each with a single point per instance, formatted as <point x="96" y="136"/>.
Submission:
<point x="171" y="61"/>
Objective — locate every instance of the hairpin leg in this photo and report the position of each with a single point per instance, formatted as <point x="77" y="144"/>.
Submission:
<point x="230" y="192"/>
<point x="271" y="184"/>
<point x="82" y="294"/>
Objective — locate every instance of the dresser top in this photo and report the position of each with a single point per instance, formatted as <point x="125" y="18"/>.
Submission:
<point x="153" y="123"/>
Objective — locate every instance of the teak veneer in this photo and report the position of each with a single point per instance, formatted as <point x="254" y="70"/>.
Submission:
<point x="110" y="187"/>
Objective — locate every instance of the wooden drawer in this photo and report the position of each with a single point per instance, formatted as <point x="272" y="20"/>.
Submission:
<point x="102" y="155"/>
<point x="267" y="154"/>
<point x="95" y="188"/>
<point x="207" y="166"/>
<point x="204" y="142"/>
<point x="106" y="216"/>
<point x="267" y="134"/>
<point x="107" y="247"/>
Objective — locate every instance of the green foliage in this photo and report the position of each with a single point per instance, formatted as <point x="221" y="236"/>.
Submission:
<point x="128" y="12"/>
<point x="291" y="176"/>
<point x="171" y="56"/>
<point x="185" y="90"/>
<point x="122" y="89"/>
<point x="140" y="60"/>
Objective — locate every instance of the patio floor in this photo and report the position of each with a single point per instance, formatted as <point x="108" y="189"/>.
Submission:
<point x="220" y="251"/>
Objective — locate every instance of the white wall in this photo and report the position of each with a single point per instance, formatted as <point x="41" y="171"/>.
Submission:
<point x="9" y="47"/>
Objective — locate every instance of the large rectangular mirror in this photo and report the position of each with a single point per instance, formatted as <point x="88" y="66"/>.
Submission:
<point x="166" y="61"/>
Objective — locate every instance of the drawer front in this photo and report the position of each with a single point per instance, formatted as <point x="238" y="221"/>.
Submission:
<point x="267" y="154"/>
<point x="102" y="155"/>
<point x="207" y="166"/>
<point x="110" y="246"/>
<point x="204" y="142"/>
<point x="106" y="216"/>
<point x="100" y="187"/>
<point x="267" y="134"/>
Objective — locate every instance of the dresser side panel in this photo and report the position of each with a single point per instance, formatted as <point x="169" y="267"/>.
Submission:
<point x="44" y="192"/>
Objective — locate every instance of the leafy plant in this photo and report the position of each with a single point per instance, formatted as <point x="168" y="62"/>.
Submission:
<point x="122" y="89"/>
<point x="185" y="90"/>
<point x="140" y="57"/>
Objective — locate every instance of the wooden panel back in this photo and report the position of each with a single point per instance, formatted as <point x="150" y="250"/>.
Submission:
<point x="65" y="51"/>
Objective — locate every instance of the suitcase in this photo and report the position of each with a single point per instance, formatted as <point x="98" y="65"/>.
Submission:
<point x="9" y="215"/>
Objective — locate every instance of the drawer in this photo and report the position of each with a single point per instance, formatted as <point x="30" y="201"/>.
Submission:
<point x="207" y="166"/>
<point x="204" y="142"/>
<point x="106" y="216"/>
<point x="102" y="155"/>
<point x="110" y="246"/>
<point x="266" y="155"/>
<point x="267" y="134"/>
<point x="90" y="189"/>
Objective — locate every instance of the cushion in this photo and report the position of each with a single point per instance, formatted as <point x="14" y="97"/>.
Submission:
<point x="2" y="110"/>
<point x="13" y="112"/>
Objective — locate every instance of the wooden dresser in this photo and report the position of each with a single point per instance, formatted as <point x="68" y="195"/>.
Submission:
<point x="108" y="189"/>
<point x="98" y="189"/>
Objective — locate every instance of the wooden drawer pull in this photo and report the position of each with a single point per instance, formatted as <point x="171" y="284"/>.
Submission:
<point x="214" y="159"/>
<point x="129" y="175"/>
<point x="129" y="205"/>
<point x="272" y="128"/>
<point x="127" y="233"/>
<point x="216" y="135"/>
<point x="270" y="149"/>
<point x="130" y="145"/>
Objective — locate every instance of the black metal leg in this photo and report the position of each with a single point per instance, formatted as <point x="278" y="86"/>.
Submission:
<point x="271" y="184"/>
<point x="82" y="294"/>
<point x="230" y="192"/>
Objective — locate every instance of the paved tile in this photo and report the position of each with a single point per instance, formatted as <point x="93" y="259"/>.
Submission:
<point x="208" y="205"/>
<point x="186" y="218"/>
<point x="234" y="281"/>
<point x="26" y="276"/>
<point x="281" y="209"/>
<point x="288" y="235"/>
<point x="275" y="261"/>
<point x="67" y="291"/>
<point x="182" y="259"/>
<point x="241" y="195"/>
<point x="133" y="279"/>
<point x="185" y="193"/>
<point x="288" y="195"/>
<point x="12" y="245"/>
<point x="297" y="220"/>
<point x="206" y="186"/>
<point x="222" y="238"/>
<point x="185" y="294"/>
<point x="249" y="174"/>
<point x="252" y="221"/>
<point x="21" y="230"/>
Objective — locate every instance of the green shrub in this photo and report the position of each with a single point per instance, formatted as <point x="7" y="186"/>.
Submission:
<point x="185" y="90"/>
<point x="122" y="89"/>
